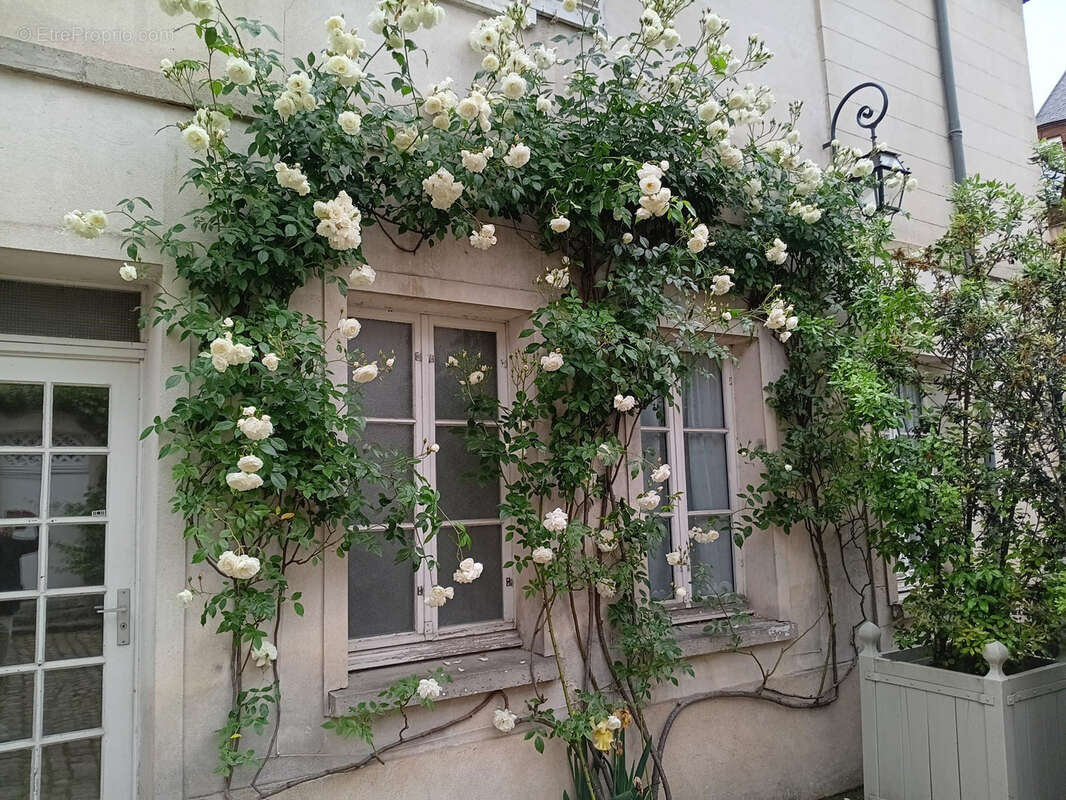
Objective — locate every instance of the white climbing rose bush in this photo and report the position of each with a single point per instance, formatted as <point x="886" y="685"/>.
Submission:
<point x="674" y="198"/>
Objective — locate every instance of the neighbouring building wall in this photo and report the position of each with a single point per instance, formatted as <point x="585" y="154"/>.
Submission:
<point x="84" y="123"/>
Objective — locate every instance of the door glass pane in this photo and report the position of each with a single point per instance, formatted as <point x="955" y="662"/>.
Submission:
<point x="390" y="395"/>
<point x="72" y="627"/>
<point x="702" y="398"/>
<point x="16" y="706"/>
<point x="712" y="562"/>
<point x="72" y="698"/>
<point x="481" y="600"/>
<point x="381" y="593"/>
<point x="705" y="471"/>
<point x="21" y="414"/>
<point x="76" y="555"/>
<point x="661" y="574"/>
<point x="18" y="558"/>
<point x="653" y="451"/>
<point x="78" y="485"/>
<point x="18" y="626"/>
<point x="479" y="346"/>
<point x="20" y="486"/>
<point x="654" y="415"/>
<point x="71" y="770"/>
<point x="15" y="774"/>
<point x="462" y="494"/>
<point x="394" y="443"/>
<point x="79" y="416"/>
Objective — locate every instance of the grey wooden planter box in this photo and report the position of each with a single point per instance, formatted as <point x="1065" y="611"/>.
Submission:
<point x="933" y="734"/>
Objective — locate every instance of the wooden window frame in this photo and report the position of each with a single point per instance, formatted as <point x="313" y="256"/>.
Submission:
<point x="428" y="639"/>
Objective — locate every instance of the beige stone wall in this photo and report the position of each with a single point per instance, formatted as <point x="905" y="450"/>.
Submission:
<point x="66" y="143"/>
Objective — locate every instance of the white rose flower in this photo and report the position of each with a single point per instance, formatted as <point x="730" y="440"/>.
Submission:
<point x="185" y="597"/>
<point x="484" y="237"/>
<point x="128" y="272"/>
<point x="243" y="481"/>
<point x="606" y="588"/>
<point x="442" y="189"/>
<point x="543" y="555"/>
<point x="291" y="178"/>
<point x="256" y="428"/>
<point x="365" y="373"/>
<point x="349" y="327"/>
<point x="517" y="156"/>
<point x="285" y="105"/>
<point x="219" y="363"/>
<point x="661" y="473"/>
<point x="476" y="162"/>
<point x="777" y="252"/>
<point x="241" y="567"/>
<point x="556" y="521"/>
<point x="433" y="448"/>
<point x="264" y="654"/>
<point x="240" y="71"/>
<point x="544" y="104"/>
<point x="624" y="404"/>
<point x="298" y="82"/>
<point x="171" y="7"/>
<point x="721" y="285"/>
<point x="344" y="70"/>
<point x="350" y="122"/>
<point x="791" y="323"/>
<point x="429" y="689"/>
<point x="607" y="540"/>
<point x="196" y="138"/>
<point x="680" y="593"/>
<point x="271" y="361"/>
<point x="560" y="224"/>
<point x="673" y="558"/>
<point x="648" y="500"/>
<point x="339" y="222"/>
<point x="165" y="64"/>
<point x="475" y="377"/>
<point x="468" y="571"/>
<point x="249" y="463"/>
<point x="363" y="275"/>
<point x="627" y="238"/>
<point x="439" y="595"/>
<point x="551" y="362"/>
<point x="242" y="354"/>
<point x="513" y="85"/>
<point x="862" y="168"/>
<point x="570" y="6"/>
<point x="703" y="536"/>
<point x="503" y="720"/>
<point x="490" y="62"/>
<point x="671" y="38"/>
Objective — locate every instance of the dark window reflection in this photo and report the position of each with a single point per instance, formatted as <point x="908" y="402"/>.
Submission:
<point x="20" y="486"/>
<point x="78" y="485"/>
<point x="15" y="774"/>
<point x="72" y="699"/>
<point x="71" y="770"/>
<point x="79" y="416"/>
<point x="72" y="627"/>
<point x="21" y="414"/>
<point x="16" y="706"/>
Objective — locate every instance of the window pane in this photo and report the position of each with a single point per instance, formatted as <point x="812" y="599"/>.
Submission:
<point x="654" y="415"/>
<point x="78" y="485"/>
<point x="21" y="414"/>
<point x="712" y="562"/>
<point x="72" y="699"/>
<point x="462" y="495"/>
<point x="71" y="770"/>
<point x="76" y="555"/>
<point x="79" y="416"/>
<point x="18" y="624"/>
<point x="16" y="706"/>
<point x="706" y="475"/>
<point x="479" y="345"/>
<point x="15" y="774"/>
<point x="481" y="600"/>
<point x="20" y="486"/>
<point x="653" y="451"/>
<point x="18" y="558"/>
<point x="72" y="628"/>
<point x="702" y="398"/>
<point x="381" y="593"/>
<point x="390" y="395"/>
<point x="395" y="443"/>
<point x="661" y="574"/>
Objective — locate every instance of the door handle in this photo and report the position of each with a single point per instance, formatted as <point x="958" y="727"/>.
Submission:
<point x="122" y="616"/>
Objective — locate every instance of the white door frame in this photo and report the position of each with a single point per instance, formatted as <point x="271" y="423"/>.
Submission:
<point x="117" y="364"/>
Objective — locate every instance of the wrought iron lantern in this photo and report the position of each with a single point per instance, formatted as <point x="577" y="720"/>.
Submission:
<point x="890" y="175"/>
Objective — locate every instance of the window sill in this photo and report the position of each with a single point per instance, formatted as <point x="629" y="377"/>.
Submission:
<point x="693" y="641"/>
<point x="472" y="674"/>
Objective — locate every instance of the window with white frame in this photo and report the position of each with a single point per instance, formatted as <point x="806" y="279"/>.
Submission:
<point x="417" y="403"/>
<point x="692" y="434"/>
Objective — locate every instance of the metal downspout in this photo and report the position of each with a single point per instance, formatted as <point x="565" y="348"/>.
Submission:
<point x="951" y="98"/>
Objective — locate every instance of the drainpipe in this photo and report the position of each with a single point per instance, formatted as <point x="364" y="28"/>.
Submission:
<point x="951" y="98"/>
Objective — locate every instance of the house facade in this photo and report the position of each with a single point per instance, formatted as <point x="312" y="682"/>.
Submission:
<point x="129" y="700"/>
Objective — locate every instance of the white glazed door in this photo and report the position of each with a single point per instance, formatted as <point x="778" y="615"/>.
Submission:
<point x="68" y="489"/>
